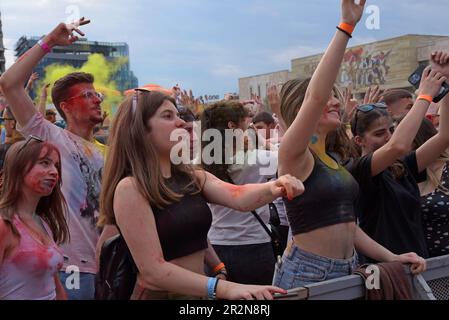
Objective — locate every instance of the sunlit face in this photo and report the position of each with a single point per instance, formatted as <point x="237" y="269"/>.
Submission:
<point x="377" y="135"/>
<point x="83" y="106"/>
<point x="43" y="176"/>
<point x="331" y="116"/>
<point x="400" y="108"/>
<point x="162" y="124"/>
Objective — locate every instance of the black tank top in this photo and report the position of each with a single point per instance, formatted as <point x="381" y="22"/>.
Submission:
<point x="183" y="226"/>
<point x="328" y="199"/>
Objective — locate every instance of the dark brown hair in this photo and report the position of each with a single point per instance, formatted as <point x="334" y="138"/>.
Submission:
<point x="393" y="95"/>
<point x="217" y="116"/>
<point x="264" y="117"/>
<point x="61" y="89"/>
<point x="18" y="162"/>
<point x="361" y="122"/>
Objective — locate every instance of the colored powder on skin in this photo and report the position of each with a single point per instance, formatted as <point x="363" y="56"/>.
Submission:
<point x="102" y="71"/>
<point x="236" y="191"/>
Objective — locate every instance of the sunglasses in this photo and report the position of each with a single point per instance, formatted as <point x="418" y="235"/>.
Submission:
<point x="365" y="108"/>
<point x="136" y="93"/>
<point x="89" y="95"/>
<point x="28" y="140"/>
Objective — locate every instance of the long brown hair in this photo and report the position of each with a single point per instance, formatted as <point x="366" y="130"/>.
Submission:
<point x="131" y="154"/>
<point x="19" y="161"/>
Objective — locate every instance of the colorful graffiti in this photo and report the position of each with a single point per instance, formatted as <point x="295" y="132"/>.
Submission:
<point x="364" y="67"/>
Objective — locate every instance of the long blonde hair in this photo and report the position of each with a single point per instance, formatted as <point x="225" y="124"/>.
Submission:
<point x="19" y="160"/>
<point x="131" y="154"/>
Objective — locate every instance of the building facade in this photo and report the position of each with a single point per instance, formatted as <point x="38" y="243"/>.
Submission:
<point x="2" y="48"/>
<point x="77" y="54"/>
<point x="387" y="63"/>
<point x="258" y="85"/>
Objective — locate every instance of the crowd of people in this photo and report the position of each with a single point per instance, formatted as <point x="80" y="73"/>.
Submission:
<point x="353" y="181"/>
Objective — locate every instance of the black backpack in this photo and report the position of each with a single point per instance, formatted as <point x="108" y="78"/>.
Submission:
<point x="117" y="275"/>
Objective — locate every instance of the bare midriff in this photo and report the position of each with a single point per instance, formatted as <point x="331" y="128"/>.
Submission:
<point x="193" y="262"/>
<point x="335" y="242"/>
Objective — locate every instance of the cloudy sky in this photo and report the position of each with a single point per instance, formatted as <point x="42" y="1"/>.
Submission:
<point x="207" y="45"/>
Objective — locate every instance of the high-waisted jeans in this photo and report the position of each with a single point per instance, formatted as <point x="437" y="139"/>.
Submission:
<point x="299" y="268"/>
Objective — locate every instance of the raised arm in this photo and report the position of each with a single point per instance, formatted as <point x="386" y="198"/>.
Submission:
<point x="401" y="141"/>
<point x="43" y="99"/>
<point x="12" y="80"/>
<point x="296" y="140"/>
<point x="432" y="149"/>
<point x="31" y="81"/>
<point x="248" y="197"/>
<point x="140" y="233"/>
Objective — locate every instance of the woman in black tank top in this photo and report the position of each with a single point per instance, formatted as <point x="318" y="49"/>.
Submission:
<point x="161" y="207"/>
<point x="323" y="218"/>
<point x="389" y="172"/>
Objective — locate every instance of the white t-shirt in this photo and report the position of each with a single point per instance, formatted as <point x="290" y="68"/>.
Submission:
<point x="82" y="167"/>
<point x="230" y="227"/>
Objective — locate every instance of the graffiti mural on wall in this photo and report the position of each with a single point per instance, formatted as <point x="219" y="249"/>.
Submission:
<point x="364" y="67"/>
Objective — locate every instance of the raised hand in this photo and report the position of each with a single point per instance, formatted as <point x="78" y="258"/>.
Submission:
<point x="63" y="35"/>
<point x="439" y="61"/>
<point x="431" y="82"/>
<point x="274" y="100"/>
<point x="351" y="12"/>
<point x="44" y="91"/>
<point x="372" y="95"/>
<point x="31" y="81"/>
<point x="350" y="105"/>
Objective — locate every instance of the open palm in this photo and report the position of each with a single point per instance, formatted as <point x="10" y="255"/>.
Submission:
<point x="352" y="12"/>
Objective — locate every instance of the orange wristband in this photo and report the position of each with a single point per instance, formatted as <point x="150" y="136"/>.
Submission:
<point x="346" y="27"/>
<point x="425" y="97"/>
<point x="218" y="268"/>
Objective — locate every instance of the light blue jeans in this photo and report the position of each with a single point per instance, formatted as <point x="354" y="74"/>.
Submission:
<point x="300" y="268"/>
<point x="86" y="290"/>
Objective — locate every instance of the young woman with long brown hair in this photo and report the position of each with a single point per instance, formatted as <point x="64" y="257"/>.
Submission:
<point x="161" y="208"/>
<point x="31" y="204"/>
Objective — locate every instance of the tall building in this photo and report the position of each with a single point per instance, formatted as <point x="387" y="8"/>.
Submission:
<point x="2" y="48"/>
<point x="77" y="54"/>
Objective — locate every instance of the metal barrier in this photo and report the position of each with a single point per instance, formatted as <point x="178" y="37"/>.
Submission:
<point x="433" y="284"/>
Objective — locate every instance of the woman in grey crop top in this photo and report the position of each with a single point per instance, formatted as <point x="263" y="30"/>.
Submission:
<point x="154" y="201"/>
<point x="324" y="229"/>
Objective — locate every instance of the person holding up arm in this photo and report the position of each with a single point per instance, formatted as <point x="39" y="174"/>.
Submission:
<point x="323" y="218"/>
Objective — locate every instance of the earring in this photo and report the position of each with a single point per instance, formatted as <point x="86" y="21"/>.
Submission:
<point x="314" y="139"/>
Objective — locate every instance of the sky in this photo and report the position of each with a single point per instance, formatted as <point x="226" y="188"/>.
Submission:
<point x="207" y="45"/>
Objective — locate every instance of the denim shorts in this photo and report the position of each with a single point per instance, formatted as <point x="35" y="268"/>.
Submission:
<point x="299" y="268"/>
